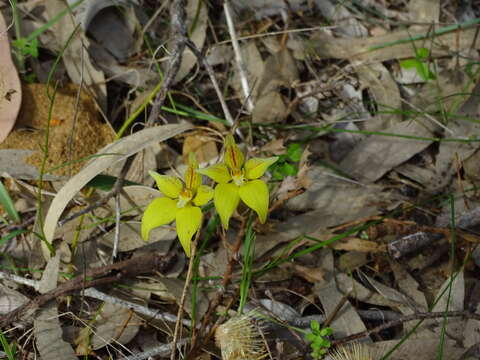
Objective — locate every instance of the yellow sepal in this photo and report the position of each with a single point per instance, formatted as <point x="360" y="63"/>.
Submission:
<point x="169" y="185"/>
<point x="159" y="212"/>
<point x="188" y="219"/>
<point x="204" y="195"/>
<point x="226" y="201"/>
<point x="256" y="167"/>
<point x="218" y="173"/>
<point x="255" y="195"/>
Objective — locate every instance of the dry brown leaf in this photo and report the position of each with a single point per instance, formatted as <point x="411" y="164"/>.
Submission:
<point x="280" y="70"/>
<point x="303" y="168"/>
<point x="374" y="156"/>
<point x="424" y="349"/>
<point x="313" y="275"/>
<point x="339" y="15"/>
<point x="451" y="297"/>
<point x="10" y="89"/>
<point x="360" y="245"/>
<point x="202" y="145"/>
<point x="363" y="49"/>
<point x="10" y="299"/>
<point x="385" y="92"/>
<point x="424" y="12"/>
<point x="115" y="324"/>
<point x="254" y="66"/>
<point x="351" y="260"/>
<point x="276" y="147"/>
<point x="452" y="152"/>
<point x="270" y="107"/>
<point x="346" y="321"/>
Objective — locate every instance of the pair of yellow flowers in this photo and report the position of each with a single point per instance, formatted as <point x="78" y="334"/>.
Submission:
<point x="236" y="180"/>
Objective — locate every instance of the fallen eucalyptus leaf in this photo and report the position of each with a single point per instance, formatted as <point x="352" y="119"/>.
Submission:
<point x="10" y="89"/>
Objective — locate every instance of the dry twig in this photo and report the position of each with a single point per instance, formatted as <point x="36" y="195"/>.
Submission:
<point x="94" y="277"/>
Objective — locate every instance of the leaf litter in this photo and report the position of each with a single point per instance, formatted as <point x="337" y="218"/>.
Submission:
<point x="374" y="195"/>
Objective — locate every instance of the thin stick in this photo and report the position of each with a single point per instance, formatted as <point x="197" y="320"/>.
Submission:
<point x="96" y="294"/>
<point x="238" y="56"/>
<point x="201" y="59"/>
<point x="178" y="29"/>
<point x="116" y="239"/>
<point x="93" y="277"/>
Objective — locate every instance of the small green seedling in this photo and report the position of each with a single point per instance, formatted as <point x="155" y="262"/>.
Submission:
<point x="420" y="64"/>
<point x="287" y="164"/>
<point x="26" y="47"/>
<point x="9" y="348"/>
<point x="318" y="338"/>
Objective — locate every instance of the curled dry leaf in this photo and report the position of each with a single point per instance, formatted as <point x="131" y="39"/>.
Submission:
<point x="10" y="89"/>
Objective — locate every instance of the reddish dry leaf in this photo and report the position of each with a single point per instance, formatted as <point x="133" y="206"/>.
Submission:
<point x="10" y="89"/>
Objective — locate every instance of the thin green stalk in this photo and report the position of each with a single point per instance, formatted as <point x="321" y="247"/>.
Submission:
<point x="328" y="129"/>
<point x="248" y="256"/>
<point x="43" y="165"/>
<point x="440" y="31"/>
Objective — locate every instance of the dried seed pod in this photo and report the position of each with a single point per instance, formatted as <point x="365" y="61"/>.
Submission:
<point x="355" y="351"/>
<point x="240" y="339"/>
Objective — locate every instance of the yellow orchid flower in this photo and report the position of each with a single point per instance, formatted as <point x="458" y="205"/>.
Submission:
<point x="238" y="180"/>
<point x="181" y="202"/>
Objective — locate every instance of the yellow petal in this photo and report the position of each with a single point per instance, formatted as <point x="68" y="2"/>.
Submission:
<point x="226" y="201"/>
<point x="256" y="167"/>
<point x="204" y="195"/>
<point x="159" y="212"/>
<point x="218" y="173"/>
<point x="189" y="219"/>
<point x="255" y="195"/>
<point x="169" y="185"/>
<point x="233" y="156"/>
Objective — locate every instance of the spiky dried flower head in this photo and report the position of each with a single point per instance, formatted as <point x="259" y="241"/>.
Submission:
<point x="240" y="339"/>
<point x="355" y="351"/>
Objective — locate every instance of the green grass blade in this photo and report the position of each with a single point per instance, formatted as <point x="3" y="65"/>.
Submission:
<point x="440" y="31"/>
<point x="248" y="252"/>
<point x="9" y="349"/>
<point x="11" y="235"/>
<point x="7" y="204"/>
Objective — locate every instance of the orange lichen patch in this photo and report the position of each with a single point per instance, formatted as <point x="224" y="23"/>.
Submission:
<point x="56" y="122"/>
<point x="75" y="132"/>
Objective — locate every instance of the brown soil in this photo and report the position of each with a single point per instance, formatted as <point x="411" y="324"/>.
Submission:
<point x="75" y="133"/>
